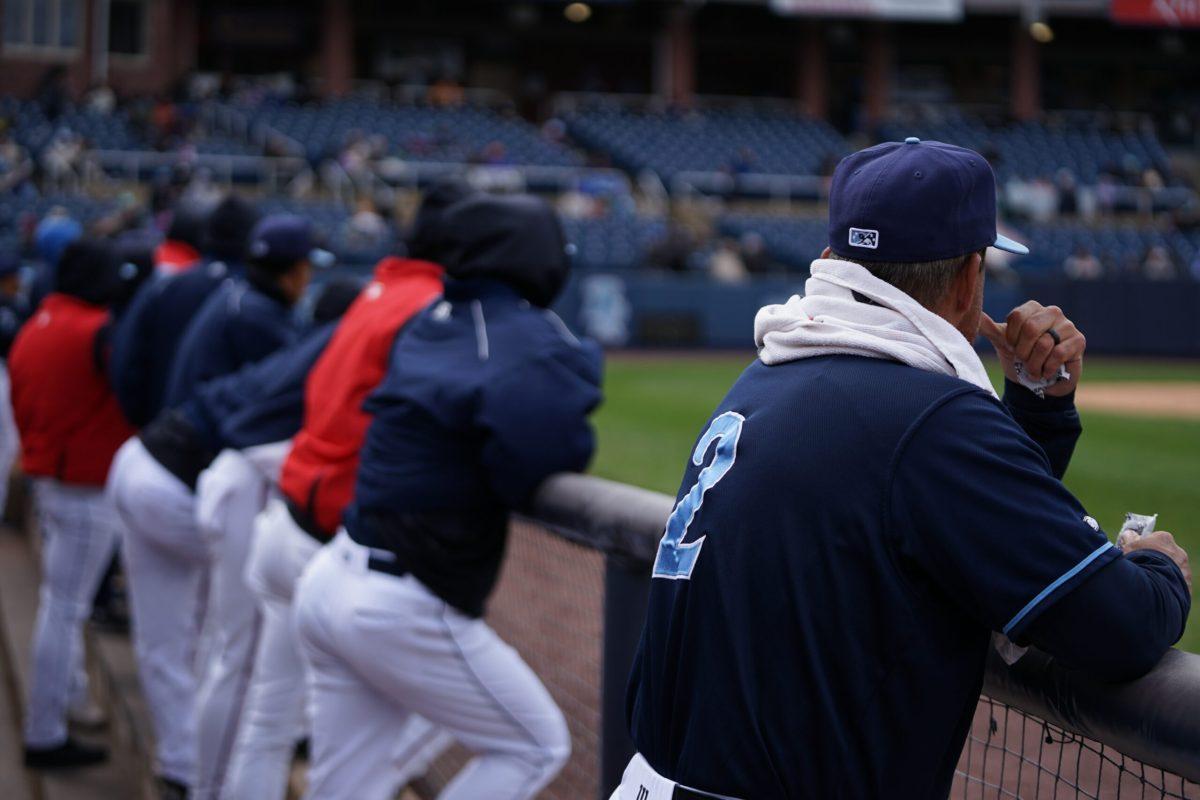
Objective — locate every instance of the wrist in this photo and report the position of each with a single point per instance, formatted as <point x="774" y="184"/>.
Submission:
<point x="1017" y="395"/>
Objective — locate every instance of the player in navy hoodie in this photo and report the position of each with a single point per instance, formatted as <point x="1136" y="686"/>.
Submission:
<point x="486" y="395"/>
<point x="154" y="475"/>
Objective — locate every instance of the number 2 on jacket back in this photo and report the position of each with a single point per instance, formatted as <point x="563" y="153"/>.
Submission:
<point x="675" y="559"/>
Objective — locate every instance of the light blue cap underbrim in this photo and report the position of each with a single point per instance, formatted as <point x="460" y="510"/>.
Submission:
<point x="1009" y="246"/>
<point x="323" y="259"/>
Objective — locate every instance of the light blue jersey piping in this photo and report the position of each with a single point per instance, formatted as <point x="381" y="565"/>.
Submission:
<point x="1066" y="576"/>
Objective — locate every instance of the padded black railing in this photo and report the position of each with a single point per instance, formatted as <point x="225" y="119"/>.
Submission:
<point x="1153" y="722"/>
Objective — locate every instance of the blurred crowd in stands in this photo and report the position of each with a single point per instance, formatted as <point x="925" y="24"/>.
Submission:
<point x="1096" y="197"/>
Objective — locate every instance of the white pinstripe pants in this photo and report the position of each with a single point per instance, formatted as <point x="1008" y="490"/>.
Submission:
<point x="166" y="564"/>
<point x="273" y="717"/>
<point x="10" y="438"/>
<point x="381" y="649"/>
<point x="229" y="495"/>
<point x="79" y="535"/>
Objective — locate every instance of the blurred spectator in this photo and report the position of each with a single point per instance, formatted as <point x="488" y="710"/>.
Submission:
<point x="1068" y="197"/>
<point x="366" y="229"/>
<point x="726" y="265"/>
<point x="165" y="122"/>
<point x="754" y="253"/>
<point x="1158" y="265"/>
<point x="201" y="191"/>
<point x="674" y="250"/>
<point x="51" y="93"/>
<point x="446" y="92"/>
<point x="100" y="99"/>
<point x="1082" y="265"/>
<point x="15" y="164"/>
<point x="1035" y="199"/>
<point x="62" y="159"/>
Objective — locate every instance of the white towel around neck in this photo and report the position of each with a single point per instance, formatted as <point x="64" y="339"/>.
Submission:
<point x="828" y="320"/>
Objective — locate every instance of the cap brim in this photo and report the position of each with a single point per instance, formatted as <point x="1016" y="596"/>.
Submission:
<point x="1009" y="246"/>
<point x="321" y="259"/>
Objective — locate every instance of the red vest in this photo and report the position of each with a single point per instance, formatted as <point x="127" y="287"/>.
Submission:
<point x="318" y="475"/>
<point x="67" y="415"/>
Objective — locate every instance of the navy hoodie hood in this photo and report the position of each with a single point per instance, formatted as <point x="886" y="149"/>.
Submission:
<point x="427" y="239"/>
<point x="514" y="239"/>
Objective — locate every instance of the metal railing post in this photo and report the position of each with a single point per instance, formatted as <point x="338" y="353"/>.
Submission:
<point x="626" y="593"/>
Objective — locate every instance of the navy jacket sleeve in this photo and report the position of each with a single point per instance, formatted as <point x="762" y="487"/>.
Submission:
<point x="253" y="336"/>
<point x="1052" y="422"/>
<point x="129" y="360"/>
<point x="976" y="507"/>
<point x="1075" y="628"/>
<point x="265" y="400"/>
<point x="535" y="421"/>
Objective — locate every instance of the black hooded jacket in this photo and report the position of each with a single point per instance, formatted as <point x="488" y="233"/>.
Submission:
<point x="486" y="395"/>
<point x="513" y="239"/>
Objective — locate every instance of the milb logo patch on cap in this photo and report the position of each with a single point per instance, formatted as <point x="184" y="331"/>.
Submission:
<point x="862" y="237"/>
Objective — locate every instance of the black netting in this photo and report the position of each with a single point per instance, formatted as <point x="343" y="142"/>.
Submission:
<point x="1012" y="754"/>
<point x="549" y="605"/>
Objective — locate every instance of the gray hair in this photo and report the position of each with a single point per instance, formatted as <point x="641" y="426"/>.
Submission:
<point x="927" y="282"/>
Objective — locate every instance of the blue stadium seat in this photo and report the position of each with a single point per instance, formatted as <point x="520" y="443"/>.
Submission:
<point x="775" y="142"/>
<point x="417" y="133"/>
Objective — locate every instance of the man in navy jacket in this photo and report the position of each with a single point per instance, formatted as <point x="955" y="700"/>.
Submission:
<point x="863" y="519"/>
<point x="154" y="476"/>
<point x="151" y="328"/>
<point x="250" y="418"/>
<point x="486" y="395"/>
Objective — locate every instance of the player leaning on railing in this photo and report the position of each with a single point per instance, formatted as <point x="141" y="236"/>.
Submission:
<point x="864" y="516"/>
<point x="486" y="395"/>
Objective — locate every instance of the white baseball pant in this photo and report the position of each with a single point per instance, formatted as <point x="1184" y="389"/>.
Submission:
<point x="381" y="648"/>
<point x="273" y="714"/>
<point x="165" y="564"/>
<point x="79" y="535"/>
<point x="229" y="495"/>
<point x="10" y="437"/>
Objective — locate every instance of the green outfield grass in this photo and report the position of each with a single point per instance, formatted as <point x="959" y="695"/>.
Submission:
<point x="655" y="406"/>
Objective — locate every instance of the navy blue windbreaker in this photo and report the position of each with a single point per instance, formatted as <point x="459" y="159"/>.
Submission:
<point x="148" y="334"/>
<point x="262" y="402"/>
<point x="849" y="532"/>
<point x="240" y="323"/>
<point x="485" y="397"/>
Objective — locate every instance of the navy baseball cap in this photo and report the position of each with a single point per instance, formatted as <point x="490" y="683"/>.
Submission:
<point x="914" y="201"/>
<point x="280" y="240"/>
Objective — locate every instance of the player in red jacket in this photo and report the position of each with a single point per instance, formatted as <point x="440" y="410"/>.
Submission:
<point x="70" y="426"/>
<point x="317" y="484"/>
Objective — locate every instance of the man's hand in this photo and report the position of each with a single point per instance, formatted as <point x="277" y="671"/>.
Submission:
<point x="1025" y="337"/>
<point x="1164" y="543"/>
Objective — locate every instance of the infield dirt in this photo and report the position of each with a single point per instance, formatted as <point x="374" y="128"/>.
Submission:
<point x="1142" y="398"/>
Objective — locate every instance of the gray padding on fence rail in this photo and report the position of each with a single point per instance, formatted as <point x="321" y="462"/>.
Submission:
<point x="615" y="518"/>
<point x="1155" y="719"/>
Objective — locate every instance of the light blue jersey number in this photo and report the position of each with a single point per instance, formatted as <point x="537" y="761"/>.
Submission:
<point x="675" y="559"/>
